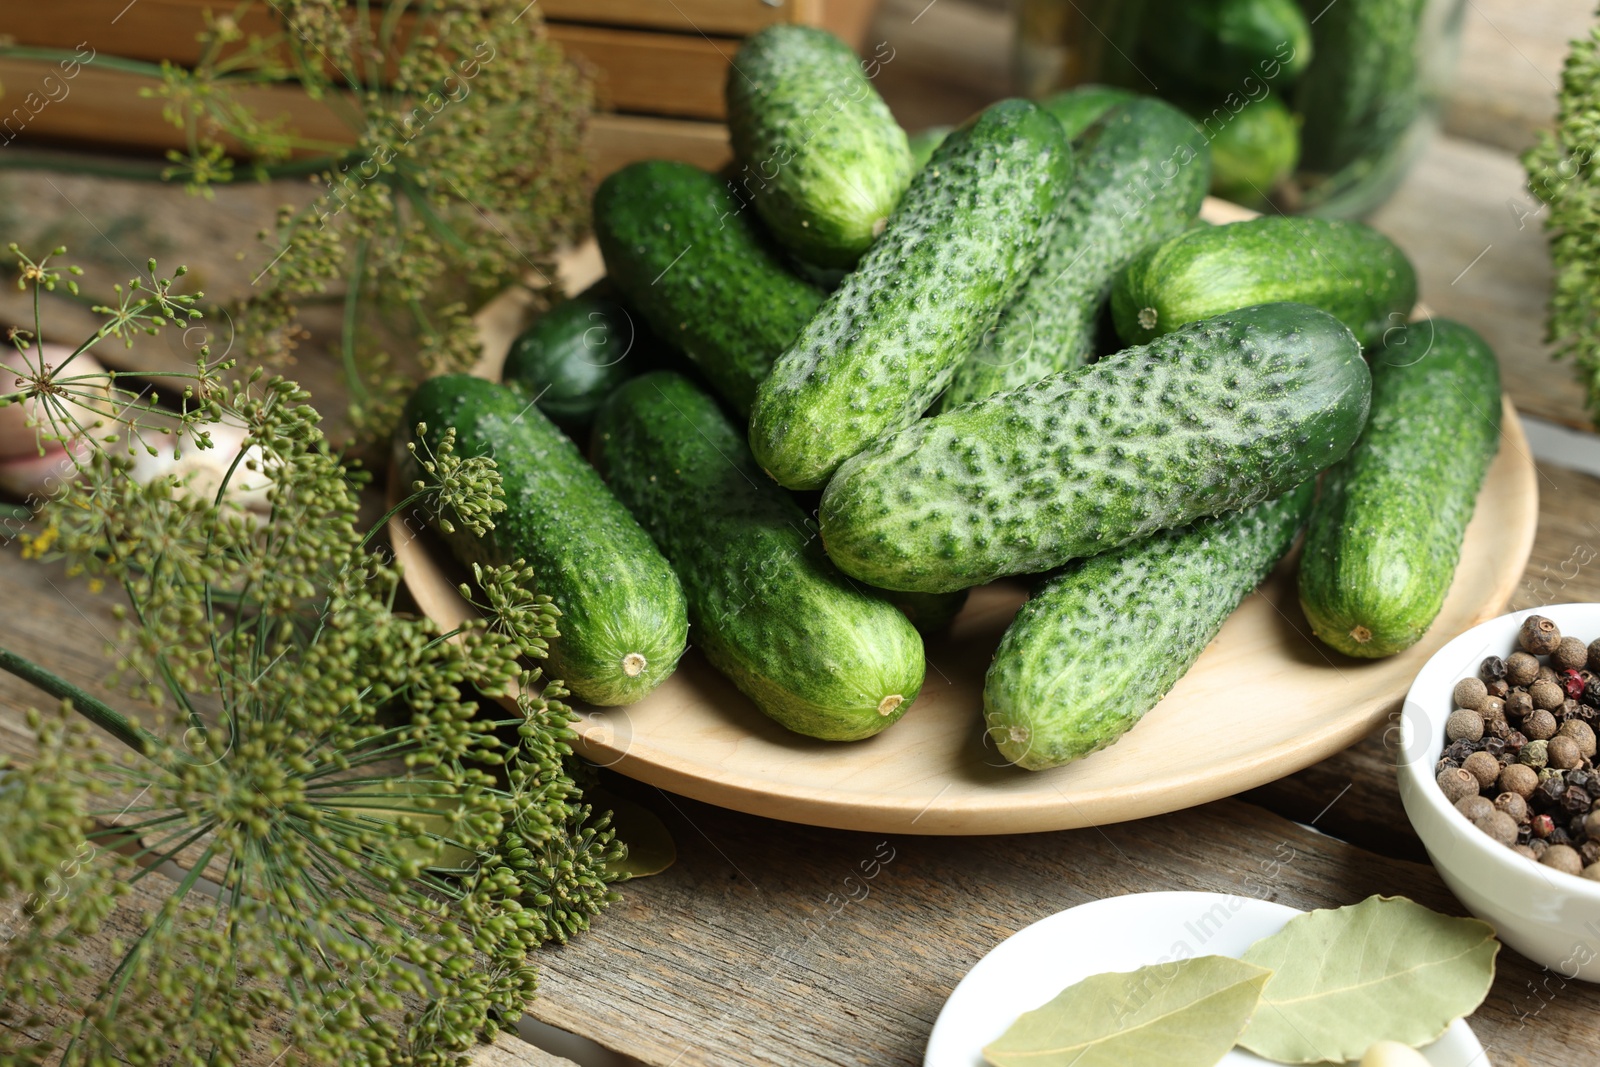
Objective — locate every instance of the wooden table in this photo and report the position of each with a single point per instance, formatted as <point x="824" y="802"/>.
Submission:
<point x="748" y="950"/>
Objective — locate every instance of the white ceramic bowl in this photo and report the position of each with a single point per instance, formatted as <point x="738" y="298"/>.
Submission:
<point x="1550" y="917"/>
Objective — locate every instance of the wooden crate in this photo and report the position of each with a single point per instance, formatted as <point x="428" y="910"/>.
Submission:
<point x="660" y="67"/>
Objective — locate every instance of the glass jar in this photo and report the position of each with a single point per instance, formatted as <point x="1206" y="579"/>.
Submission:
<point x="1311" y="106"/>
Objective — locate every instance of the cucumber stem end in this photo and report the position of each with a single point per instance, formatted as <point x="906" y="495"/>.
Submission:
<point x="633" y="663"/>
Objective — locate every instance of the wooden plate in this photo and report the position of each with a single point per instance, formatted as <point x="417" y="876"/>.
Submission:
<point x="1264" y="700"/>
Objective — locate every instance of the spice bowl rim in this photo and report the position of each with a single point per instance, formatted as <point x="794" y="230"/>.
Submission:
<point x="1422" y="742"/>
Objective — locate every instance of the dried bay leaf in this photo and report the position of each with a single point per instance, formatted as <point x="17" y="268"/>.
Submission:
<point x="1183" y="1014"/>
<point x="1385" y="969"/>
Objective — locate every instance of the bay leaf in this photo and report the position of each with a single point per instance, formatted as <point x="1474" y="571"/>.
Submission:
<point x="1183" y="1014"/>
<point x="1387" y="969"/>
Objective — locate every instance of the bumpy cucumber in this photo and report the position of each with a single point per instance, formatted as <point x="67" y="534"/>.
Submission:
<point x="1216" y="417"/>
<point x="1251" y="151"/>
<point x="967" y="233"/>
<point x="814" y="651"/>
<point x="573" y="355"/>
<point x="692" y="258"/>
<point x="623" y="618"/>
<point x="1386" y="532"/>
<point x="1345" y="268"/>
<point x="819" y="151"/>
<point x="1082" y="106"/>
<point x="1222" y="43"/>
<point x="1140" y="177"/>
<point x="1101" y="643"/>
<point x="1362" y="90"/>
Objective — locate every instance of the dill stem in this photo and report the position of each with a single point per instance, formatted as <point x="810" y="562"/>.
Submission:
<point x="96" y="711"/>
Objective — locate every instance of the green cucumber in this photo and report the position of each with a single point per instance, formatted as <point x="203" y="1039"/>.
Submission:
<point x="623" y="618"/>
<point x="820" y="152"/>
<point x="1140" y="177"/>
<point x="924" y="142"/>
<point x="1081" y="106"/>
<point x="1253" y="151"/>
<point x="1221" y="415"/>
<point x="685" y="251"/>
<point x="1386" y="532"/>
<point x="814" y="652"/>
<point x="575" y="354"/>
<point x="1363" y="89"/>
<point x="968" y="232"/>
<point x="1345" y="268"/>
<point x="1098" y="645"/>
<point x="1224" y="43"/>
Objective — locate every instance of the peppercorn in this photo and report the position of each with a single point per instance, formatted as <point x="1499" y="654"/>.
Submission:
<point x="1469" y="693"/>
<point x="1567" y="711"/>
<point x="1547" y="772"/>
<point x="1466" y="724"/>
<point x="1457" y="783"/>
<point x="1591" y="692"/>
<point x="1546" y="695"/>
<point x="1592" y="872"/>
<point x="1514" y="778"/>
<point x="1562" y="753"/>
<point x="1594" y="655"/>
<point x="1498" y="825"/>
<point x="1575" y="829"/>
<point x="1563" y="858"/>
<point x="1559" y="836"/>
<point x="1570" y="654"/>
<point x="1493" y="668"/>
<point x="1551" y="790"/>
<point x="1512" y="804"/>
<point x="1580" y="776"/>
<point x="1498" y="688"/>
<point x="1475" y="807"/>
<point x="1496" y="745"/>
<point x="1458" y="751"/>
<point x="1541" y="725"/>
<point x="1546" y="674"/>
<point x="1518" y="704"/>
<point x="1515" y="741"/>
<point x="1539" y="636"/>
<point x="1591" y="824"/>
<point x="1571" y="684"/>
<point x="1525" y="852"/>
<point x="1583" y="735"/>
<point x="1484" y="767"/>
<point x="1574" y="801"/>
<point x="1491" y="707"/>
<point x="1538" y="844"/>
<point x="1542" y="826"/>
<point x="1590" y="851"/>
<point x="1585" y="713"/>
<point x="1521" y="668"/>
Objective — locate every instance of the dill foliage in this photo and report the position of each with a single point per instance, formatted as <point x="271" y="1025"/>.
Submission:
<point x="364" y="859"/>
<point x="1562" y="174"/>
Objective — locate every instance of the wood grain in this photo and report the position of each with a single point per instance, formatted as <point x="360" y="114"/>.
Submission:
<point x="751" y="951"/>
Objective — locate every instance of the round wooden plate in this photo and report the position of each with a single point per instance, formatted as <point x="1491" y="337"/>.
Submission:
<point x="1264" y="700"/>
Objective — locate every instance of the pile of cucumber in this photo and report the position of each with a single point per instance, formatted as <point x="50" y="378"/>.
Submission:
<point x="1021" y="355"/>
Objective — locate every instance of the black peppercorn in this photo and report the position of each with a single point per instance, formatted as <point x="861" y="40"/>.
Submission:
<point x="1492" y="668"/>
<point x="1575" y="828"/>
<point x="1591" y="692"/>
<point x="1574" y="801"/>
<point x="1590" y="850"/>
<point x="1550" y="791"/>
<point x="1515" y="741"/>
<point x="1459" y="751"/>
<point x="1580" y="777"/>
<point x="1558" y="836"/>
<point x="1499" y="688"/>
<point x="1496" y="745"/>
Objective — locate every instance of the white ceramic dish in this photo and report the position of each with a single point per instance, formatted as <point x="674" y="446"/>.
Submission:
<point x="1124" y="933"/>
<point x="1549" y="917"/>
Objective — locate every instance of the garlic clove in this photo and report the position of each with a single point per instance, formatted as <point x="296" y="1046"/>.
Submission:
<point x="1393" y="1054"/>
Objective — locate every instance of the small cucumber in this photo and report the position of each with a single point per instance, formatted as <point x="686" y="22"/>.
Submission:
<point x="1221" y="415"/>
<point x="573" y="355"/>
<point x="814" y="652"/>
<point x="1345" y="268"/>
<point x="689" y="255"/>
<point x="967" y="233"/>
<point x="1364" y="87"/>
<point x="1221" y="43"/>
<point x="1081" y="106"/>
<point x="1252" y="151"/>
<point x="1386" y="532"/>
<point x="821" y="154"/>
<point x="1101" y="643"/>
<point x="1141" y="176"/>
<point x="623" y="618"/>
